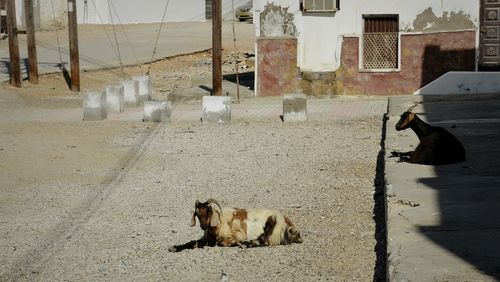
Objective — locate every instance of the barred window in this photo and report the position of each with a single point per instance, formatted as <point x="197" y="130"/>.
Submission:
<point x="380" y="42"/>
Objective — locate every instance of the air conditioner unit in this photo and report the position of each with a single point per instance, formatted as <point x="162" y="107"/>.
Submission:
<point x="320" y="5"/>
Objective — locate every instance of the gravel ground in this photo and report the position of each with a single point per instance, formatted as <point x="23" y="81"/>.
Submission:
<point x="116" y="220"/>
<point x="105" y="200"/>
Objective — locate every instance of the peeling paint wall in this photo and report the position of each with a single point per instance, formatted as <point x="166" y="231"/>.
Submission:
<point x="277" y="21"/>
<point x="424" y="57"/>
<point x="427" y="21"/>
<point x="277" y="66"/>
<point x="436" y="36"/>
<point x="320" y="35"/>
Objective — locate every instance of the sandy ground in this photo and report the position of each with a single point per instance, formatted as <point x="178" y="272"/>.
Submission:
<point x="105" y="200"/>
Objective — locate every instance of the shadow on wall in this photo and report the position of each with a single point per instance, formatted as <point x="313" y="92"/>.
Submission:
<point x="468" y="193"/>
<point x="437" y="61"/>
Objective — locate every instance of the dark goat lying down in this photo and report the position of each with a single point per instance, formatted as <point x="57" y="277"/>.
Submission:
<point x="437" y="145"/>
<point x="229" y="227"/>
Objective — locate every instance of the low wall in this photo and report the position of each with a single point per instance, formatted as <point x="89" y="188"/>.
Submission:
<point x="277" y="66"/>
<point x="423" y="58"/>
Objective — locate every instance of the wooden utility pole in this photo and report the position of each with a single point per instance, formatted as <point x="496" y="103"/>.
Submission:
<point x="30" y="34"/>
<point x="73" y="46"/>
<point x="15" y="66"/>
<point x="217" y="47"/>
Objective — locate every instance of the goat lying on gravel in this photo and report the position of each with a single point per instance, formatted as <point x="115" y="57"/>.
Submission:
<point x="229" y="227"/>
<point x="437" y="145"/>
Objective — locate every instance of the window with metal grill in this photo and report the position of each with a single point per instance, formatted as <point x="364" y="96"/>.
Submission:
<point x="380" y="42"/>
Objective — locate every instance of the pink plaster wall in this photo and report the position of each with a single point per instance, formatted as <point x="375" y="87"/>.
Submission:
<point x="424" y="57"/>
<point x="277" y="66"/>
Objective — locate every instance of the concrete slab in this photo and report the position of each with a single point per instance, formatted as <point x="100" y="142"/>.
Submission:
<point x="95" y="106"/>
<point x="131" y="92"/>
<point x="294" y="108"/>
<point x="144" y="88"/>
<point x="442" y="220"/>
<point x="216" y="109"/>
<point x="115" y="99"/>
<point x="157" y="111"/>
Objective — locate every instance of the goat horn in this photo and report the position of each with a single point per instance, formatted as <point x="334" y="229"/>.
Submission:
<point x="412" y="107"/>
<point x="213" y="201"/>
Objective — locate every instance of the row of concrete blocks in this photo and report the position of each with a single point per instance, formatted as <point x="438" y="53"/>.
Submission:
<point x="215" y="108"/>
<point x="218" y="109"/>
<point x="131" y="93"/>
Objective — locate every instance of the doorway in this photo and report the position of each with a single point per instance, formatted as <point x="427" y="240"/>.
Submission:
<point x="489" y="38"/>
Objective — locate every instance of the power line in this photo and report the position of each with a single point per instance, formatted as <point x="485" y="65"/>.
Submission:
<point x="158" y="36"/>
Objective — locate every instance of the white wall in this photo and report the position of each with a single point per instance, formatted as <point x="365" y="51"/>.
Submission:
<point x="146" y="11"/>
<point x="320" y="35"/>
<point x="50" y="14"/>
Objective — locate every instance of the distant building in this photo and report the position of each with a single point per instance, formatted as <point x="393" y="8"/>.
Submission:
<point x="50" y="14"/>
<point x="370" y="47"/>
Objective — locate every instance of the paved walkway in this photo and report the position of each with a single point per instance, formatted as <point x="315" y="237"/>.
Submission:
<point x="443" y="220"/>
<point x="250" y="109"/>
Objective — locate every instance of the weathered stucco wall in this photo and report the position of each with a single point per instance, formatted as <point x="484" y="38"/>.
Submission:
<point x="320" y="35"/>
<point x="276" y="21"/>
<point x="277" y="66"/>
<point x="428" y="21"/>
<point x="424" y="57"/>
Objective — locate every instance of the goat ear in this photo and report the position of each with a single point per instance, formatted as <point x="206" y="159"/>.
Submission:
<point x="215" y="219"/>
<point x="193" y="219"/>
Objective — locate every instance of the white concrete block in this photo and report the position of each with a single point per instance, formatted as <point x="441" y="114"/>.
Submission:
<point x="145" y="87"/>
<point x="216" y="109"/>
<point x="157" y="111"/>
<point x="95" y="106"/>
<point x="131" y="92"/>
<point x="115" y="99"/>
<point x="294" y="107"/>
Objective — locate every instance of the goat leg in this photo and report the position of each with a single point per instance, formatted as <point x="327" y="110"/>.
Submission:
<point x="192" y="245"/>
<point x="401" y="154"/>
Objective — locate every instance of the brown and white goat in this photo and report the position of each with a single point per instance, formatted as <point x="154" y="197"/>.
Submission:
<point x="437" y="145"/>
<point x="229" y="227"/>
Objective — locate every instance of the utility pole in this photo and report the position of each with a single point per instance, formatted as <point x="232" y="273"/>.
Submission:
<point x="73" y="46"/>
<point x="217" y="47"/>
<point x="30" y="34"/>
<point x="15" y="66"/>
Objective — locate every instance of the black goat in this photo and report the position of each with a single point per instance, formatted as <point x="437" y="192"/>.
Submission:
<point x="437" y="145"/>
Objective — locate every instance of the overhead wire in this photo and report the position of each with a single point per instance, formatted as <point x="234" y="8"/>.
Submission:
<point x="116" y="38"/>
<point x="158" y="36"/>
<point x="61" y="64"/>
<point x="106" y="32"/>
<point x="126" y="37"/>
